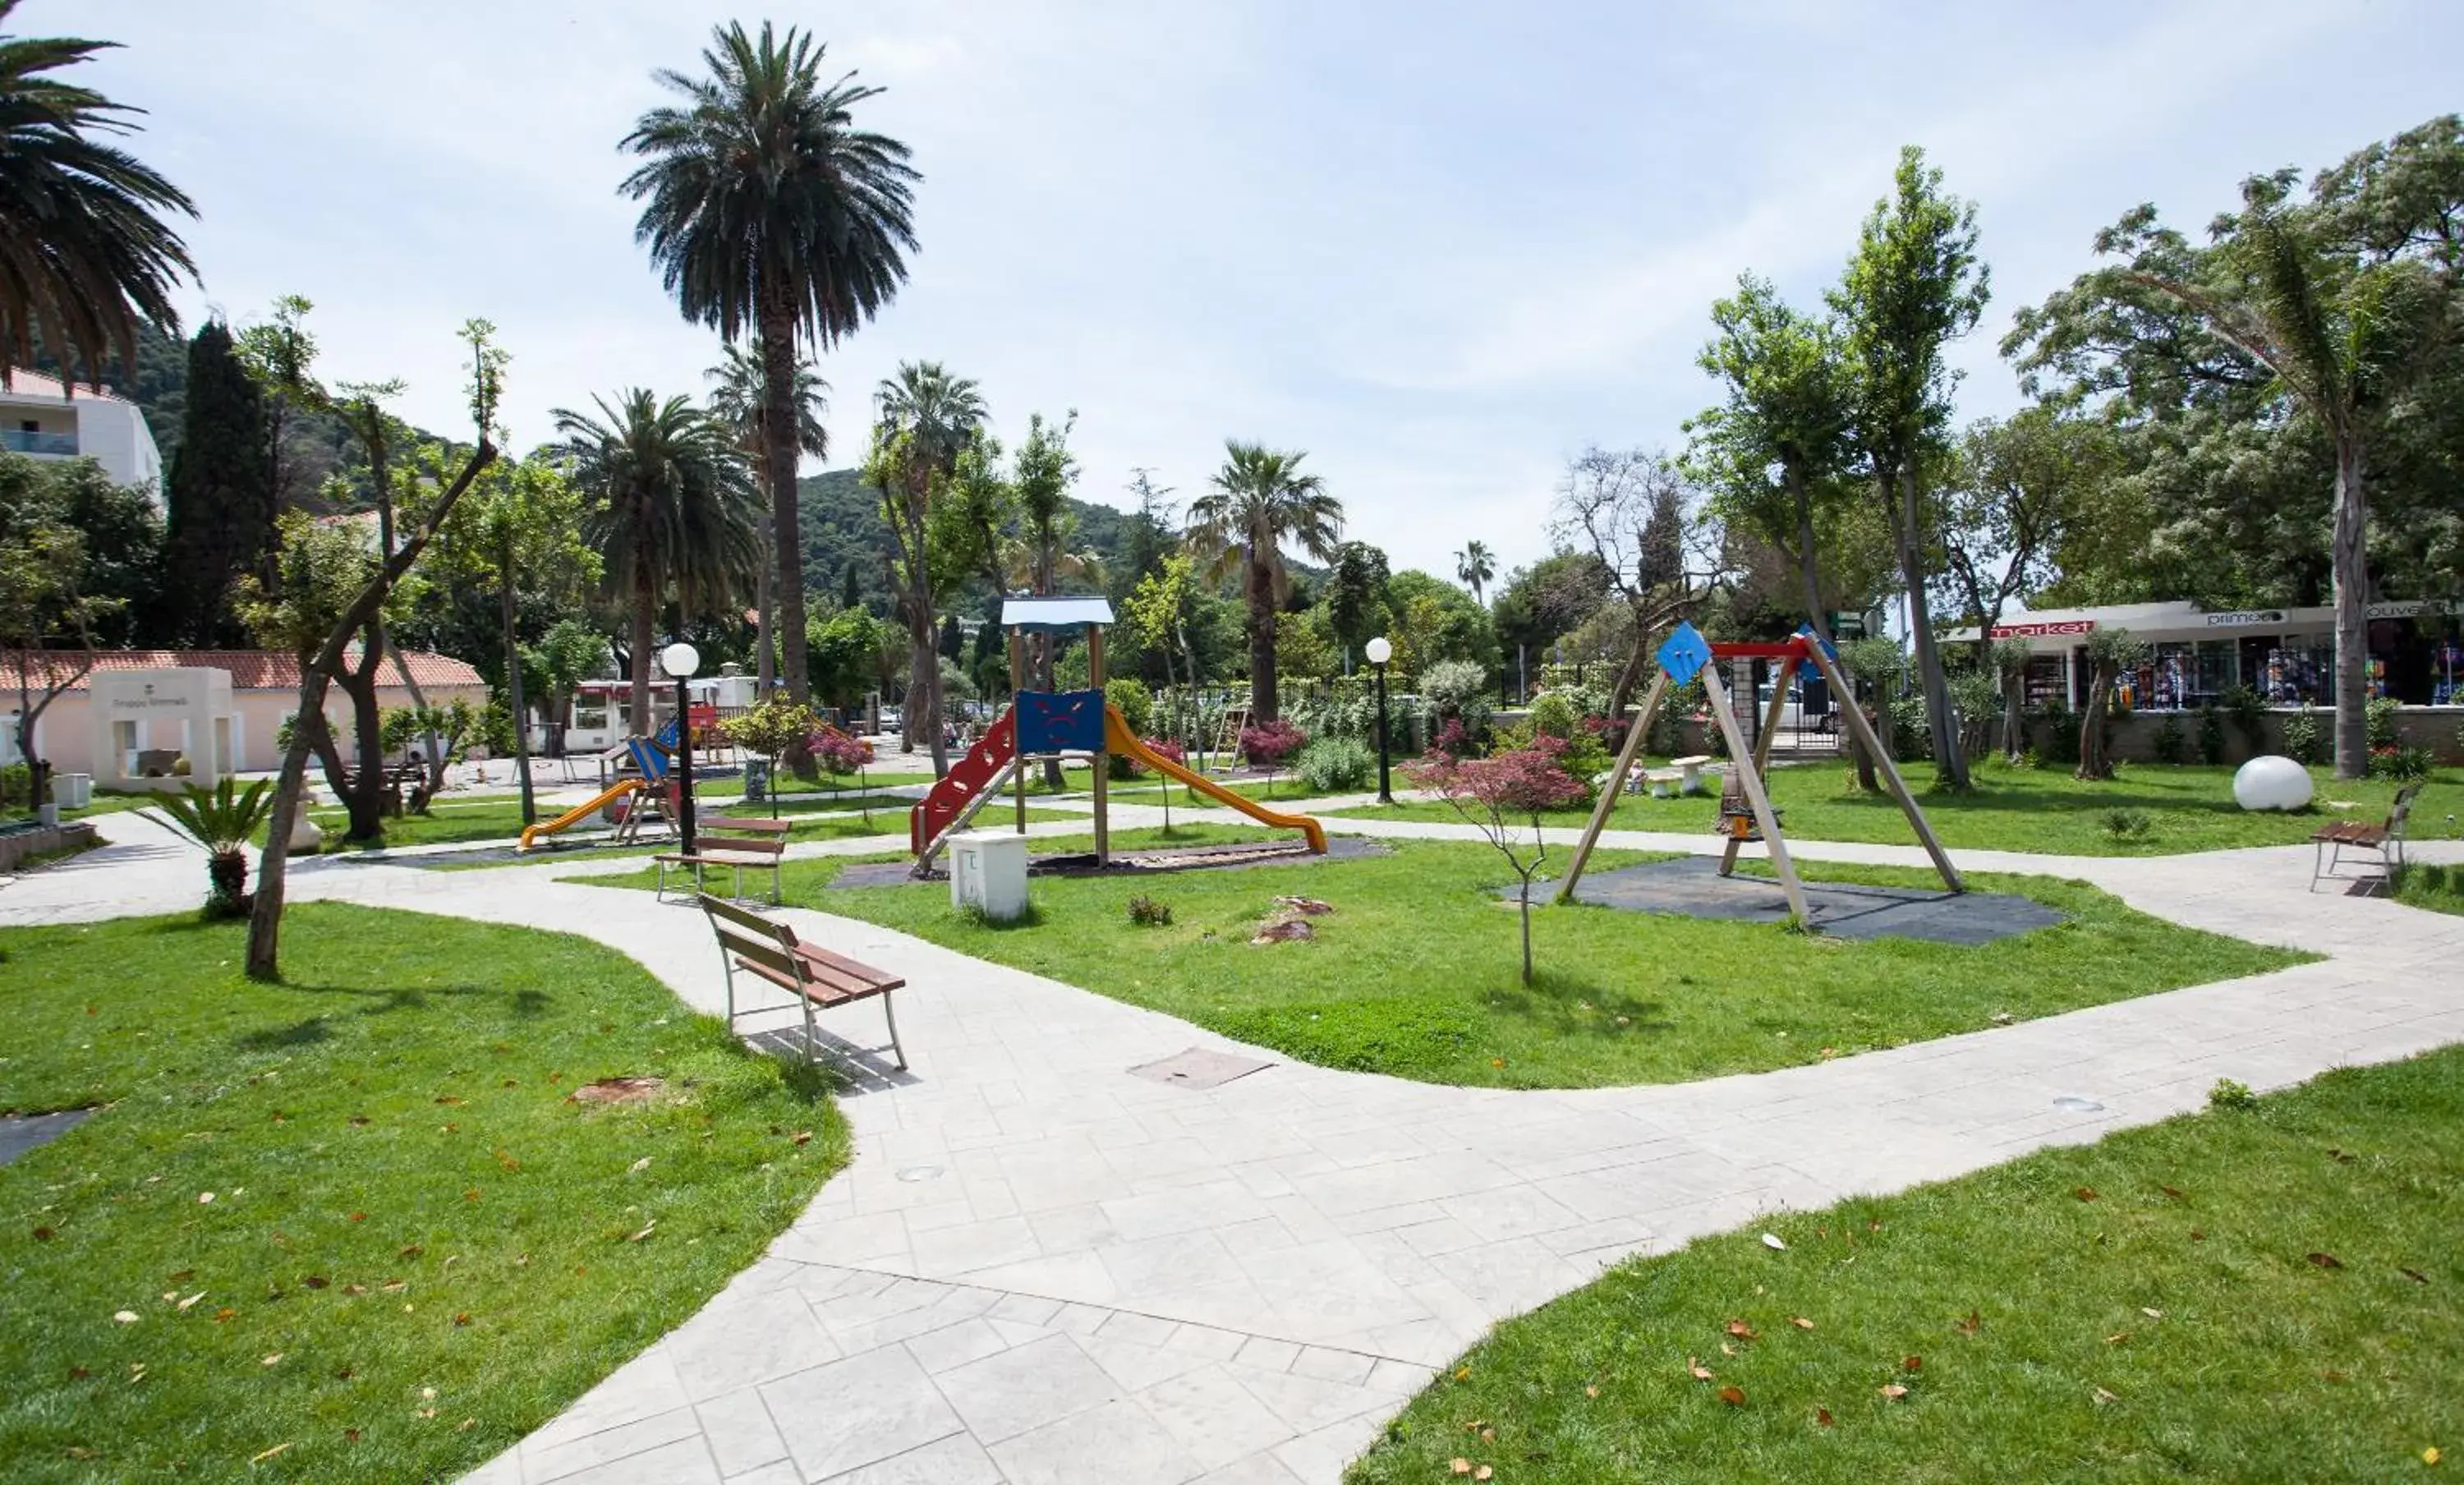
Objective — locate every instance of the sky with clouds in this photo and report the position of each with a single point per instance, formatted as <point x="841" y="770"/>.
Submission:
<point x="1441" y="247"/>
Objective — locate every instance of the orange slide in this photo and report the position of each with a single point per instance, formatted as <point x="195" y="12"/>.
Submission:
<point x="1119" y="738"/>
<point x="579" y="814"/>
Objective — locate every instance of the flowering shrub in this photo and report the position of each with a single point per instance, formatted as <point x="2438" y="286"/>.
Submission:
<point x="1166" y="748"/>
<point x="1454" y="740"/>
<point x="1496" y="792"/>
<point x="837" y="752"/>
<point x="1268" y="744"/>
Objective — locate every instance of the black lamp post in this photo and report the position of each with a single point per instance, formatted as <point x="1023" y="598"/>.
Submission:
<point x="1380" y="651"/>
<point x="680" y="661"/>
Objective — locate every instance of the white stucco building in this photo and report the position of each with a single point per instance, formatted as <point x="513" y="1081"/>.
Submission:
<point x="43" y="420"/>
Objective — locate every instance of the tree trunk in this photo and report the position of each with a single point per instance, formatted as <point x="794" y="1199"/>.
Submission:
<point x="365" y="797"/>
<point x="1262" y="701"/>
<point x="2352" y="583"/>
<point x="766" y="669"/>
<point x="265" y="913"/>
<point x="1941" y="721"/>
<point x="2014" y="716"/>
<point x="923" y="709"/>
<point x="514" y="687"/>
<point x="1628" y="677"/>
<point x="1526" y="930"/>
<point x="2093" y="765"/>
<point x="646" y="603"/>
<point x="778" y="430"/>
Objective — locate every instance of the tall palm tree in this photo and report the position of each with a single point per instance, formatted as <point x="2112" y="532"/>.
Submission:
<point x="83" y="248"/>
<point x="673" y="513"/>
<point x="766" y="209"/>
<point x="1260" y="501"/>
<point x="1474" y="565"/>
<point x="929" y="417"/>
<point x="739" y="400"/>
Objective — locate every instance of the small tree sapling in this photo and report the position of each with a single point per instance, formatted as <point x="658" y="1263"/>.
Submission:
<point x="1497" y="794"/>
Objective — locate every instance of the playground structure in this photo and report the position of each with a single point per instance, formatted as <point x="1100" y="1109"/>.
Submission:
<point x="1043" y="727"/>
<point x="1745" y="811"/>
<point x="649" y="791"/>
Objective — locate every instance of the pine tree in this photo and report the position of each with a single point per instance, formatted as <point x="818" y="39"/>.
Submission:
<point x="850" y="587"/>
<point x="221" y="501"/>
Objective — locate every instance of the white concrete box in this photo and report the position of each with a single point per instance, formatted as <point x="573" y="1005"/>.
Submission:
<point x="989" y="871"/>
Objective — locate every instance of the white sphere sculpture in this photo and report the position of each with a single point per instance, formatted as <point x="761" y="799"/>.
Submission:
<point x="2272" y="782"/>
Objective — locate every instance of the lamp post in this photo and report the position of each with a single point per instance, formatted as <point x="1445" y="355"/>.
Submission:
<point x="680" y="661"/>
<point x="1379" y="651"/>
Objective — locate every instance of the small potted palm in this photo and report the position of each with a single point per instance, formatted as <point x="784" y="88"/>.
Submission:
<point x="221" y="820"/>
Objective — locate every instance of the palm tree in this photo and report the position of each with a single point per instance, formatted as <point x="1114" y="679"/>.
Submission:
<point x="928" y="417"/>
<point x="673" y="513"/>
<point x="220" y="819"/>
<point x="739" y="400"/>
<point x="767" y="209"/>
<point x="1474" y="565"/>
<point x="83" y="248"/>
<point x="1260" y="501"/>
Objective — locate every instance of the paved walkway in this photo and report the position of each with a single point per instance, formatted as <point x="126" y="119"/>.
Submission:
<point x="1042" y="1268"/>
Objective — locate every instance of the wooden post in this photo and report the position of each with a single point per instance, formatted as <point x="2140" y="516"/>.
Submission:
<point x="1762" y="753"/>
<point x="1740" y="756"/>
<point x="1607" y="802"/>
<point x="1017" y="684"/>
<point x="1855" y="716"/>
<point x="1103" y="761"/>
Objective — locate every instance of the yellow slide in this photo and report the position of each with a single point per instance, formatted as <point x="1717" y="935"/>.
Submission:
<point x="581" y="812"/>
<point x="1118" y="738"/>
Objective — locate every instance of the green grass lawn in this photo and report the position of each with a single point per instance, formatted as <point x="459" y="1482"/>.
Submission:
<point x="2261" y="1294"/>
<point x="2036" y="810"/>
<point x="359" y="1231"/>
<point x="2440" y="889"/>
<point x="1416" y="972"/>
<point x="451" y="820"/>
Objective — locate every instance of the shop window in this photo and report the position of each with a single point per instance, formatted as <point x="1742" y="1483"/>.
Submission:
<point x="2299" y="668"/>
<point x="591" y="715"/>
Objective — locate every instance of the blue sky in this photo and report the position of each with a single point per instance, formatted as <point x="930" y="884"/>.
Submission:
<point x="1440" y="247"/>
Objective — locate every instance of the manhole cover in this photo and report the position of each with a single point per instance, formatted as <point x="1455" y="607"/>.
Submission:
<point x="2072" y="1103"/>
<point x="1198" y="1068"/>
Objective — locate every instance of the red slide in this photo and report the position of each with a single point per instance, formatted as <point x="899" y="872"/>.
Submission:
<point x="970" y="776"/>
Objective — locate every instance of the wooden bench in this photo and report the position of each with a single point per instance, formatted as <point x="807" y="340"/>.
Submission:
<point x="2385" y="840"/>
<point x="735" y="842"/>
<point x="819" y="979"/>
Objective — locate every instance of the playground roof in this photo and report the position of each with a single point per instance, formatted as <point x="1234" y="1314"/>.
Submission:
<point x="1054" y="615"/>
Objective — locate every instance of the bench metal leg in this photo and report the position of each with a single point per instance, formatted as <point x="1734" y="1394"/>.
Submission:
<point x="889" y="1013"/>
<point x="812" y="1035"/>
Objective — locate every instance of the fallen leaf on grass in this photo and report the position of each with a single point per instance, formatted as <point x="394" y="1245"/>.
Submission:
<point x="2324" y="1260"/>
<point x="2103" y="1397"/>
<point x="269" y="1453"/>
<point x="314" y="1281"/>
<point x="462" y="1318"/>
<point x="42" y="1235"/>
<point x="1484" y="1473"/>
<point x="2341" y="1157"/>
<point x="355" y="1289"/>
<point x="2153" y="1314"/>
<point x="2085" y="1193"/>
<point x="1894" y="1391"/>
<point x="802" y="1136"/>
<point x="1911" y="1363"/>
<point x="126" y="1316"/>
<point x="647" y="1228"/>
<point x="359" y="1216"/>
<point x="410" y="1250"/>
<point x="507" y="1161"/>
<point x="2432" y="1455"/>
<point x="449" y="1099"/>
<point x="1970" y="1326"/>
<point x="2116" y="1338"/>
<point x="2173" y="1194"/>
<point x="1701" y="1373"/>
<point x="1458" y="1465"/>
<point x="1592" y="1391"/>
<point x="2414" y="1274"/>
<point x="1741" y="1330"/>
<point x="1771" y="1240"/>
<point x="225" y="1313"/>
<point x="204" y="1198"/>
<point x="1800" y="1322"/>
<point x="639" y="1167"/>
<point x="271" y="1359"/>
<point x="1822" y="1417"/>
<point x="351" y="1436"/>
<point x="187" y="1303"/>
<point x="1734" y="1396"/>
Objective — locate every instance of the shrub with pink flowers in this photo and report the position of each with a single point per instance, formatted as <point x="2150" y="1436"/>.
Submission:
<point x="1269" y="744"/>
<point x="840" y="754"/>
<point x="1166" y="748"/>
<point x="1454" y="740"/>
<point x="1500" y="792"/>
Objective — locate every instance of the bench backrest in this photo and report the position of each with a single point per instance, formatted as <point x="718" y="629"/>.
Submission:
<point x="737" y="832"/>
<point x="751" y="937"/>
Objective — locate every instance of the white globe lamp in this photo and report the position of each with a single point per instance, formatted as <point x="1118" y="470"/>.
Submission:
<point x="680" y="661"/>
<point x="1380" y="651"/>
<point x="2272" y="782"/>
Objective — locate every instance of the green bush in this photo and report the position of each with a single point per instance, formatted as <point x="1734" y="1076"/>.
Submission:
<point x="2211" y="735"/>
<point x="2248" y="711"/>
<point x="17" y="788"/>
<point x="2061" y="734"/>
<point x="2305" y="742"/>
<point x="2127" y="824"/>
<point x="2403" y="765"/>
<point x="2231" y="1094"/>
<point x="2379" y="717"/>
<point x="1146" y="912"/>
<point x="1555" y="714"/>
<point x="2171" y="744"/>
<point x="1911" y="739"/>
<point x="1130" y="697"/>
<point x="1335" y="766"/>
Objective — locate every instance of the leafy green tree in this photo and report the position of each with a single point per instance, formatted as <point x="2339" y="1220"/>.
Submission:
<point x="1355" y="595"/>
<point x="2018" y="489"/>
<point x="846" y="648"/>
<point x="669" y="510"/>
<point x="1154" y="614"/>
<point x="220" y="494"/>
<point x="1154" y="534"/>
<point x="281" y="355"/>
<point x="927" y="418"/>
<point x="121" y="539"/>
<point x="737" y="399"/>
<point x="2110" y="652"/>
<point x="1259" y="500"/>
<point x="1634" y="510"/>
<point x="1914" y="285"/>
<point x="571" y="652"/>
<point x="1544" y="602"/>
<point x="1431" y="620"/>
<point x="42" y="606"/>
<point x="2336" y="307"/>
<point x="1773" y="449"/>
<point x="767" y="209"/>
<point x="522" y="524"/>
<point x="770" y="727"/>
<point x="86" y="253"/>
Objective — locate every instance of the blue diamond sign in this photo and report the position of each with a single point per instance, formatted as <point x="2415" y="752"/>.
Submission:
<point x="1684" y="653"/>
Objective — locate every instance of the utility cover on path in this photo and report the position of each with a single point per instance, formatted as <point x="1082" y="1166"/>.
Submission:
<point x="1692" y="887"/>
<point x="31" y="1132"/>
<point x="1199" y="1068"/>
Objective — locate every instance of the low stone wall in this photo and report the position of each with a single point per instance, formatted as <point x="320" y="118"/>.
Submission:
<point x="18" y="846"/>
<point x="2134" y="733"/>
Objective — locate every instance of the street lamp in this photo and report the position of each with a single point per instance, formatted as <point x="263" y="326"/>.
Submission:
<point x="1379" y="651"/>
<point x="680" y="661"/>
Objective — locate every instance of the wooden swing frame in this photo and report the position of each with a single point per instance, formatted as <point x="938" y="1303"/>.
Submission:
<point x="1801" y="648"/>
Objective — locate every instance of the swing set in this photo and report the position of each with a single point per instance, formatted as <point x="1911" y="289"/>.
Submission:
<point x="1685" y="655"/>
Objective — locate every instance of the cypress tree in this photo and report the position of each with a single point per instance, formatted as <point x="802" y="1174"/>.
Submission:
<point x="954" y="639"/>
<point x="221" y="501"/>
<point x="850" y="589"/>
